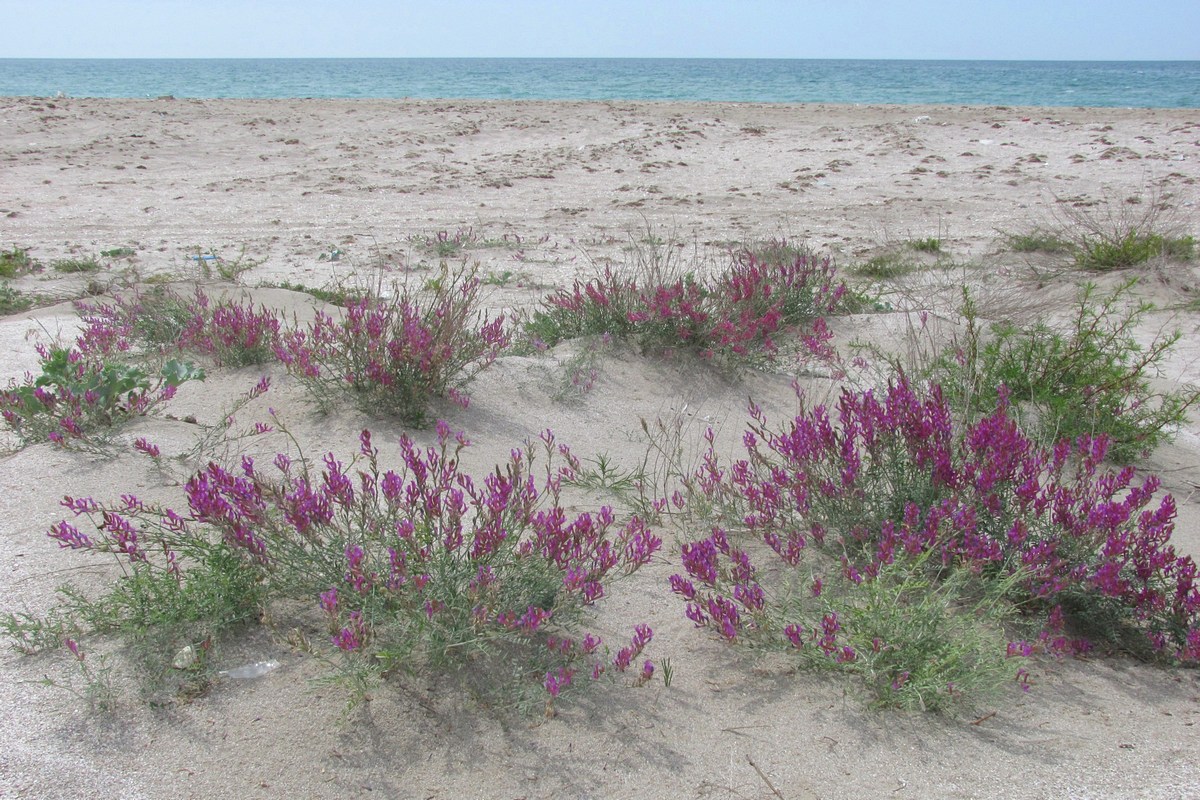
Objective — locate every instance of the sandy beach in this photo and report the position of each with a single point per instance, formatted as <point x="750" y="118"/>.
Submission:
<point x="327" y="193"/>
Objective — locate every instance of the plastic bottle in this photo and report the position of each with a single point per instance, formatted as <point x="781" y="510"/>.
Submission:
<point x="255" y="670"/>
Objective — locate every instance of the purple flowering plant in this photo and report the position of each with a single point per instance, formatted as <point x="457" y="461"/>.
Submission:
<point x="737" y="317"/>
<point x="921" y="556"/>
<point x="230" y="331"/>
<point x="80" y="395"/>
<point x="394" y="354"/>
<point x="421" y="568"/>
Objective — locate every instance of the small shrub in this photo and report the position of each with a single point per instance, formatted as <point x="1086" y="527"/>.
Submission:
<point x="1118" y="237"/>
<point x="906" y="547"/>
<point x="118" y="252"/>
<point x="78" y="395"/>
<point x="394" y="354"/>
<point x="158" y="318"/>
<point x="601" y="306"/>
<point x="445" y="245"/>
<point x="229" y="270"/>
<point x="423" y="570"/>
<point x="1089" y="377"/>
<point x="775" y="251"/>
<point x="15" y="262"/>
<point x="231" y="332"/>
<point x="735" y="317"/>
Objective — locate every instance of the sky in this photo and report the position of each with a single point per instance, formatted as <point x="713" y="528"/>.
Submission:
<point x="934" y="29"/>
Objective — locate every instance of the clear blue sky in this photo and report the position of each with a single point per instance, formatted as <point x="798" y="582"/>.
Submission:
<point x="1016" y="29"/>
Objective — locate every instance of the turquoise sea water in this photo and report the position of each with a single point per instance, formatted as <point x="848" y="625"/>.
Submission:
<point x="1165" y="84"/>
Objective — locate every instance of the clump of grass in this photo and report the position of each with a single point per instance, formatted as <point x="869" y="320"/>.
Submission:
<point x="447" y="245"/>
<point x="337" y="296"/>
<point x="776" y="251"/>
<point x="1038" y="241"/>
<point x="928" y="245"/>
<point x="444" y="244"/>
<point x="231" y="332"/>
<point x="13" y="301"/>
<point x="156" y="318"/>
<point x="1105" y="253"/>
<point x="421" y="570"/>
<point x="211" y="263"/>
<point x="1108" y="237"/>
<point x="79" y="395"/>
<point x="885" y="267"/>
<point x="15" y="262"/>
<point x="76" y="265"/>
<point x="118" y="252"/>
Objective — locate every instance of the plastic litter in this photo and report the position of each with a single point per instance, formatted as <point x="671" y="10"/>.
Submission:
<point x="250" y="671"/>
<point x="205" y="257"/>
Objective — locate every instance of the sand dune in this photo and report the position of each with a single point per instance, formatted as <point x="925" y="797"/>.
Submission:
<point x="321" y="192"/>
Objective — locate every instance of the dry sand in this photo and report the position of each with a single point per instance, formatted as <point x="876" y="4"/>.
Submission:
<point x="547" y="192"/>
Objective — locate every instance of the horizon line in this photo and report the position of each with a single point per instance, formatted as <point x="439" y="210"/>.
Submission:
<point x="597" y="58"/>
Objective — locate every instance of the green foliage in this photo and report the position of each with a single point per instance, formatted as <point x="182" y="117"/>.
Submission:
<point x="886" y="267"/>
<point x="1102" y="254"/>
<point x="913" y="548"/>
<point x="445" y="245"/>
<point x="337" y="296"/>
<point x="74" y="265"/>
<point x="394" y="354"/>
<point x="603" y="311"/>
<point x="159" y="317"/>
<point x="923" y="643"/>
<point x="226" y="269"/>
<point x="929" y="245"/>
<point x="15" y="262"/>
<point x="1090" y="376"/>
<point x="424" y="569"/>
<point x="599" y="474"/>
<point x="1038" y="241"/>
<point x="736" y="317"/>
<point x="13" y="301"/>
<point x="143" y="324"/>
<point x="777" y="251"/>
<point x="75" y="397"/>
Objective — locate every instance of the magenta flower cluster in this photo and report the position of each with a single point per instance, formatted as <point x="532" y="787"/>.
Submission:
<point x="232" y="332"/>
<point x="737" y="315"/>
<point x="79" y="393"/>
<point x="421" y="558"/>
<point x="883" y="478"/>
<point x="395" y="354"/>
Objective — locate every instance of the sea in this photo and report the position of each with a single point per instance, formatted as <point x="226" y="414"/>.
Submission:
<point x="1144" y="84"/>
